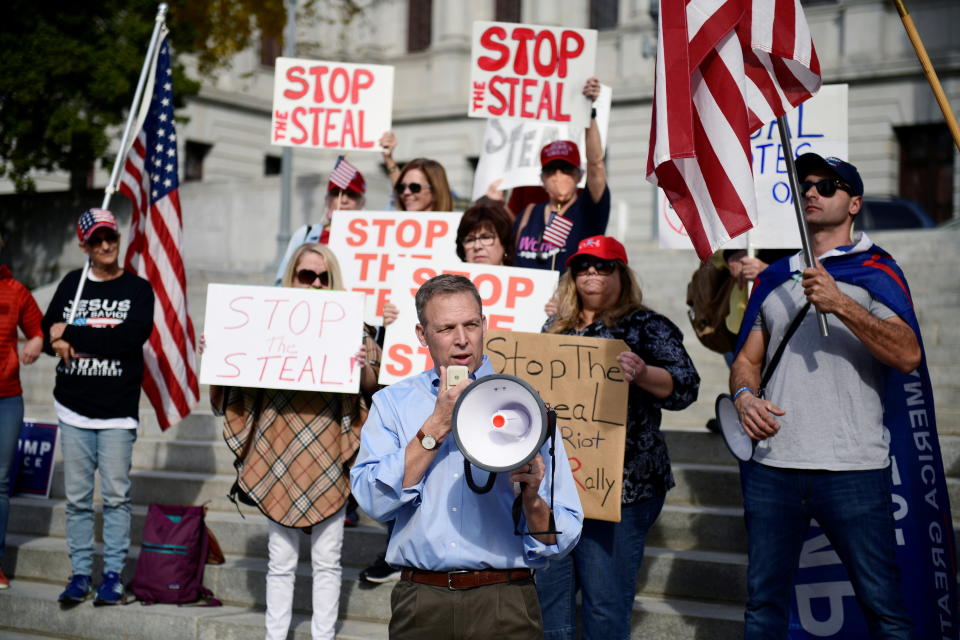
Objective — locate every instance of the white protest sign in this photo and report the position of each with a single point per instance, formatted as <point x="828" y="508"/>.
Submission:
<point x="369" y="243"/>
<point x="511" y="148"/>
<point x="282" y="338"/>
<point x="513" y="300"/>
<point x="331" y="105"/>
<point x="818" y="125"/>
<point x="530" y="72"/>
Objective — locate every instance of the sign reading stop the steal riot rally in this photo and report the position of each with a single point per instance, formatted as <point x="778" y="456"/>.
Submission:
<point x="282" y="338"/>
<point x="331" y="105"/>
<point x="531" y="72"/>
<point x="513" y="299"/>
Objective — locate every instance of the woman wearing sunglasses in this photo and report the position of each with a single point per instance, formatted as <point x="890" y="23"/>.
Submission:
<point x="314" y="435"/>
<point x="599" y="297"/>
<point x="422" y="186"/>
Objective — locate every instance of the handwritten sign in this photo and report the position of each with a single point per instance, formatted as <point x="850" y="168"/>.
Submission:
<point x="513" y="299"/>
<point x="511" y="148"/>
<point x="818" y="125"/>
<point x="368" y="245"/>
<point x="581" y="380"/>
<point x="32" y="467"/>
<point x="282" y="338"/>
<point x="332" y="105"/>
<point x="530" y="72"/>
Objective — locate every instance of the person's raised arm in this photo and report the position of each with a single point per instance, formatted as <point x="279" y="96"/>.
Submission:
<point x="596" y="172"/>
<point x="389" y="142"/>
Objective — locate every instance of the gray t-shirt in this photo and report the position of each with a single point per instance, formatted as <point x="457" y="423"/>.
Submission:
<point x="829" y="387"/>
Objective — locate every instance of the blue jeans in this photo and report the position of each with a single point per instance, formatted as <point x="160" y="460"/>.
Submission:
<point x="603" y="567"/>
<point x="84" y="452"/>
<point x="11" y="421"/>
<point x="855" y="511"/>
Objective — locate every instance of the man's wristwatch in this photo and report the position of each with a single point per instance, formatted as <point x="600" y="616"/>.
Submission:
<point x="427" y="442"/>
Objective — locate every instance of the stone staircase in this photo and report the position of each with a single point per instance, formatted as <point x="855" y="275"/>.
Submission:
<point x="692" y="583"/>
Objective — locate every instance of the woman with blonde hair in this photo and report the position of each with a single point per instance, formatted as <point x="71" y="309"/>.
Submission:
<point x="599" y="297"/>
<point x="312" y="436"/>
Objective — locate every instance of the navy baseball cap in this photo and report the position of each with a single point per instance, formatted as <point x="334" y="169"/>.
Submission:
<point x="810" y="162"/>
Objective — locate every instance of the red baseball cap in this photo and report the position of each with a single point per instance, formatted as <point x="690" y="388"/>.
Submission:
<point x="93" y="219"/>
<point x="564" y="150"/>
<point x="357" y="184"/>
<point x="603" y="247"/>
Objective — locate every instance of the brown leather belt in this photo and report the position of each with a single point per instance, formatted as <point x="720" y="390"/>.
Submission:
<point x="455" y="580"/>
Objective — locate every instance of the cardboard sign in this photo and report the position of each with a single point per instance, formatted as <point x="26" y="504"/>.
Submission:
<point x="581" y="380"/>
<point x="32" y="468"/>
<point x="368" y="245"/>
<point x="513" y="300"/>
<point x="530" y="72"/>
<point x="282" y="338"/>
<point x="818" y="125"/>
<point x="331" y="105"/>
<point x="511" y="148"/>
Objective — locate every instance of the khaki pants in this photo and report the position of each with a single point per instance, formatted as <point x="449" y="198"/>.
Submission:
<point x="506" y="611"/>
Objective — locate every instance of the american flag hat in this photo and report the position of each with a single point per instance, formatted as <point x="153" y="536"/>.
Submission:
<point x="346" y="176"/>
<point x="91" y="220"/>
<point x="603" y="247"/>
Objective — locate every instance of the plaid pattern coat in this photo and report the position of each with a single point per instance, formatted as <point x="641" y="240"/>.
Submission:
<point x="293" y="448"/>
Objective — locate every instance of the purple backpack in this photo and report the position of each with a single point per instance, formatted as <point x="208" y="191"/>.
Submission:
<point x="172" y="557"/>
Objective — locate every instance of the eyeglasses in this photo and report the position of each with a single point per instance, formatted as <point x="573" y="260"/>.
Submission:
<point x="485" y="240"/>
<point x="335" y="192"/>
<point x="603" y="267"/>
<point x="308" y="277"/>
<point x="415" y="187"/>
<point x="99" y="238"/>
<point x="826" y="187"/>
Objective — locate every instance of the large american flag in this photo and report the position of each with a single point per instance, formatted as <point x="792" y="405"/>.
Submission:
<point x="150" y="181"/>
<point x="724" y="68"/>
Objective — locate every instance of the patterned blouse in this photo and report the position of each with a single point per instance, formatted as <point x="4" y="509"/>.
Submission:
<point x="646" y="467"/>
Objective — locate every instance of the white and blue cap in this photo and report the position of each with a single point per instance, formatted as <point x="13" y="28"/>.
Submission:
<point x="810" y="163"/>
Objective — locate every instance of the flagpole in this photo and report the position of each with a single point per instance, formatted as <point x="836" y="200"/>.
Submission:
<point x="795" y="190"/>
<point x="110" y="189"/>
<point x="929" y="71"/>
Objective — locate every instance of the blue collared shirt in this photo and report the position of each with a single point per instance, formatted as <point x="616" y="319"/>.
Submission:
<point x="441" y="524"/>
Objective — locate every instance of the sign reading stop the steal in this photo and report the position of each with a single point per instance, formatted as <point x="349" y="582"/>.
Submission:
<point x="331" y="105"/>
<point x="531" y="72"/>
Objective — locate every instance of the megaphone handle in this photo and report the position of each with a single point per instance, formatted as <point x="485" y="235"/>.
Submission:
<point x="517" y="503"/>
<point x="468" y="474"/>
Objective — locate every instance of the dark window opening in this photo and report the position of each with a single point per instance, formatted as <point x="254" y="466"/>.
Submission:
<point x="604" y="14"/>
<point x="270" y="49"/>
<point x="419" y="25"/>
<point x="196" y="152"/>
<point x="271" y="165"/>
<point x="506" y="10"/>
<point x="926" y="168"/>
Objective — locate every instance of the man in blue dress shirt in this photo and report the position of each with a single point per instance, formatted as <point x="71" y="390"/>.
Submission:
<point x="465" y="573"/>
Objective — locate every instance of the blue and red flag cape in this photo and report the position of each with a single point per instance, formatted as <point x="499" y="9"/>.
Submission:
<point x="823" y="602"/>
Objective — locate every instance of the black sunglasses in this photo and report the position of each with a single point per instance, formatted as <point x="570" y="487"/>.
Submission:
<point x="336" y="191"/>
<point x="826" y="187"/>
<point x="603" y="267"/>
<point x="562" y="167"/>
<point x="415" y="187"/>
<point x="306" y="276"/>
<point x="97" y="239"/>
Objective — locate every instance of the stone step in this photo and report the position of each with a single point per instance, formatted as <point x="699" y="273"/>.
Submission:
<point x="32" y="605"/>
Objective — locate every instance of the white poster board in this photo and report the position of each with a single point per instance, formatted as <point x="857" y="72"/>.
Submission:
<point x="330" y="105"/>
<point x="531" y="72"/>
<point x="511" y="148"/>
<point x="282" y="338"/>
<point x="818" y="125"/>
<point x="368" y="245"/>
<point x="513" y="300"/>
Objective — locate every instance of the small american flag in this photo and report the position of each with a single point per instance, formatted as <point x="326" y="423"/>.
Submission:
<point x="343" y="172"/>
<point x="724" y="68"/>
<point x="150" y="181"/>
<point x="557" y="231"/>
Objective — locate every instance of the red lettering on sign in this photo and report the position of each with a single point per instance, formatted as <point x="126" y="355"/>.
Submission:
<point x="487" y="42"/>
<point x="495" y="322"/>
<point x="246" y="316"/>
<point x="339" y="74"/>
<point x="236" y="369"/>
<point x="358" y="233"/>
<point x="307" y="368"/>
<point x="365" y="260"/>
<point x="545" y="69"/>
<point x="566" y="52"/>
<point x="295" y="119"/>
<point x="318" y="73"/>
<point x="521" y="35"/>
<point x="518" y="288"/>
<point x="436" y="229"/>
<point x="335" y="314"/>
<point x="286" y="367"/>
<point x="362" y="79"/>
<point x="276" y="302"/>
<point x="295" y="76"/>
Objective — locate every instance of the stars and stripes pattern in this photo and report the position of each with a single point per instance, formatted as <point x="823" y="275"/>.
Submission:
<point x="724" y="68"/>
<point x="92" y="218"/>
<point x="150" y="181"/>
<point x="557" y="231"/>
<point x="343" y="173"/>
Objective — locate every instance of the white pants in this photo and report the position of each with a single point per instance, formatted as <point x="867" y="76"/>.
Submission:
<point x="283" y="545"/>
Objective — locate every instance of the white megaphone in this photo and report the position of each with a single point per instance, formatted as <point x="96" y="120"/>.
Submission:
<point x="499" y="424"/>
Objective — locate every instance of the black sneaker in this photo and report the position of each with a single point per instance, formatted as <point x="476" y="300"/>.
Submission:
<point x="380" y="572"/>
